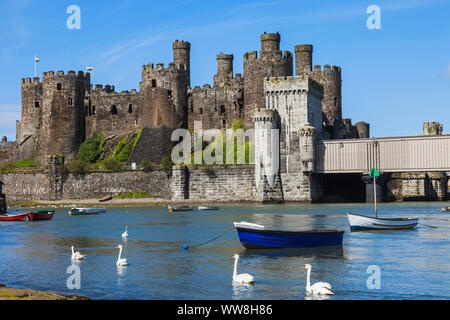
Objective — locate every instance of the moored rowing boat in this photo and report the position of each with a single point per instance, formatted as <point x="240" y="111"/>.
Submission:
<point x="85" y="211"/>
<point x="361" y="222"/>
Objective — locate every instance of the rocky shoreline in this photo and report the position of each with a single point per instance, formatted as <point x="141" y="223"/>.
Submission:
<point x="27" y="294"/>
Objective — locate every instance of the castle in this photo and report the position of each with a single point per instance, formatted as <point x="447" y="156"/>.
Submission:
<point x="60" y="111"/>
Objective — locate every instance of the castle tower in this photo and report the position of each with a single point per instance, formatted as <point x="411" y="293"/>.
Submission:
<point x="31" y="93"/>
<point x="432" y="128"/>
<point x="63" y="117"/>
<point x="330" y="79"/>
<point x="363" y="129"/>
<point x="182" y="56"/>
<point x="267" y="156"/>
<point x="271" y="63"/>
<point x="224" y="68"/>
<point x="303" y="59"/>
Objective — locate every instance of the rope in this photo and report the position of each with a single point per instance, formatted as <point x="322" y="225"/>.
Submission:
<point x="426" y="225"/>
<point x="185" y="246"/>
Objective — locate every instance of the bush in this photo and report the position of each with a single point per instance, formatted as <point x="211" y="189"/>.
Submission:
<point x="113" y="165"/>
<point x="237" y="124"/>
<point x="134" y="194"/>
<point x="147" y="166"/>
<point x="91" y="149"/>
<point x="77" y="167"/>
<point x="167" y="164"/>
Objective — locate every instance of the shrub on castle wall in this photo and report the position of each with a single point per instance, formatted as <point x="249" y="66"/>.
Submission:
<point x="77" y="167"/>
<point x="91" y="149"/>
<point x="125" y="146"/>
<point x="167" y="164"/>
<point x="113" y="164"/>
<point x="147" y="166"/>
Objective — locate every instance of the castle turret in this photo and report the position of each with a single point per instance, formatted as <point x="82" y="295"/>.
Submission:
<point x="224" y="68"/>
<point x="306" y="141"/>
<point x="272" y="63"/>
<point x="432" y="128"/>
<point x="63" y="116"/>
<point x="181" y="56"/>
<point x="31" y="109"/>
<point x="303" y="58"/>
<point x="363" y="129"/>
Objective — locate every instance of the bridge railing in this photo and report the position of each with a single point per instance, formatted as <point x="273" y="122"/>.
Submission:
<point x="398" y="154"/>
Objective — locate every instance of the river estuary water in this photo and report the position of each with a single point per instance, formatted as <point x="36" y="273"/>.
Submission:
<point x="413" y="264"/>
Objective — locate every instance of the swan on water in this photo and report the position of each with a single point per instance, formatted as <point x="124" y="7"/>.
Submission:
<point x="241" y="278"/>
<point x="77" y="255"/>
<point x="318" y="287"/>
<point x="120" y="261"/>
<point x="125" y="234"/>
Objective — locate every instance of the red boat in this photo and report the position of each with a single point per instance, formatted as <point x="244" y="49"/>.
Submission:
<point x="28" y="216"/>
<point x="107" y="198"/>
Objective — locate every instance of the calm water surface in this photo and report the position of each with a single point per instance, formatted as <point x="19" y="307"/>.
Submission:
<point x="414" y="264"/>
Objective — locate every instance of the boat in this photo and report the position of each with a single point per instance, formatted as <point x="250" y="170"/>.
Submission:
<point x="14" y="216"/>
<point x="256" y="236"/>
<point x="183" y="208"/>
<point x="27" y="216"/>
<point x="446" y="209"/>
<point x="361" y="222"/>
<point x="41" y="215"/>
<point x="107" y="198"/>
<point x="85" y="211"/>
<point x="207" y="208"/>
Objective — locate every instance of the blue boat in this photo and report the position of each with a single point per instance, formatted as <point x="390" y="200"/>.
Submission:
<point x="256" y="236"/>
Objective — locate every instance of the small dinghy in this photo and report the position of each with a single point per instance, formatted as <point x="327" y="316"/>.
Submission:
<point x="41" y="215"/>
<point x="361" y="222"/>
<point x="207" y="208"/>
<point x="183" y="208"/>
<point x="256" y="236"/>
<point x="107" y="198"/>
<point x="86" y="211"/>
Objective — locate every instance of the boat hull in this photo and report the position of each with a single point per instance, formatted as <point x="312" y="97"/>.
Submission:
<point x="15" y="217"/>
<point x="107" y="198"/>
<point x="260" y="239"/>
<point x="41" y="215"/>
<point x="207" y="208"/>
<point x="361" y="222"/>
<point x="173" y="209"/>
<point x="86" y="211"/>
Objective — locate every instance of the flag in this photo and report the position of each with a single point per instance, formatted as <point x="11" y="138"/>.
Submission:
<point x="89" y="68"/>
<point x="36" y="59"/>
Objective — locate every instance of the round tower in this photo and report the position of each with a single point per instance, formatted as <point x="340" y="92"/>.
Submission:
<point x="181" y="56"/>
<point x="303" y="58"/>
<point x="63" y="116"/>
<point x="330" y="79"/>
<point x="270" y="41"/>
<point x="306" y="141"/>
<point x="224" y="68"/>
<point x="31" y="93"/>
<point x="363" y="129"/>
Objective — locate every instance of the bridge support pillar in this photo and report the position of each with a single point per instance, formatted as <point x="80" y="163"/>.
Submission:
<point x="380" y="185"/>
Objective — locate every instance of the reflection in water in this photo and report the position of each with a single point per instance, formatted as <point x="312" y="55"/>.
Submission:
<point x="317" y="297"/>
<point x="242" y="291"/>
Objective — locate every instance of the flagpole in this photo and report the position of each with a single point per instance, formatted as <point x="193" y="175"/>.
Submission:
<point x="375" y="194"/>
<point x="35" y="66"/>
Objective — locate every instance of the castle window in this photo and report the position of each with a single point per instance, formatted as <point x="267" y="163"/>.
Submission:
<point x="113" y="109"/>
<point x="135" y="122"/>
<point x="169" y="93"/>
<point x="130" y="108"/>
<point x="222" y="109"/>
<point x="201" y="111"/>
<point x="58" y="86"/>
<point x="69" y="101"/>
<point x="153" y="83"/>
<point x="335" y="101"/>
<point x="36" y="104"/>
<point x="93" y="110"/>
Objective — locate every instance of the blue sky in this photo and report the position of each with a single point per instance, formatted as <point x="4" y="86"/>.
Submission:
<point x="394" y="78"/>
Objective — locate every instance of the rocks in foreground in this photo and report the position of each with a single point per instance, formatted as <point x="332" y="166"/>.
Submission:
<point x="26" y="294"/>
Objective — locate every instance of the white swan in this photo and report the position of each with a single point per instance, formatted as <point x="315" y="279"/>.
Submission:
<point x="125" y="234"/>
<point x="241" y="278"/>
<point x="320" y="288"/>
<point x="121" y="262"/>
<point x="77" y="255"/>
